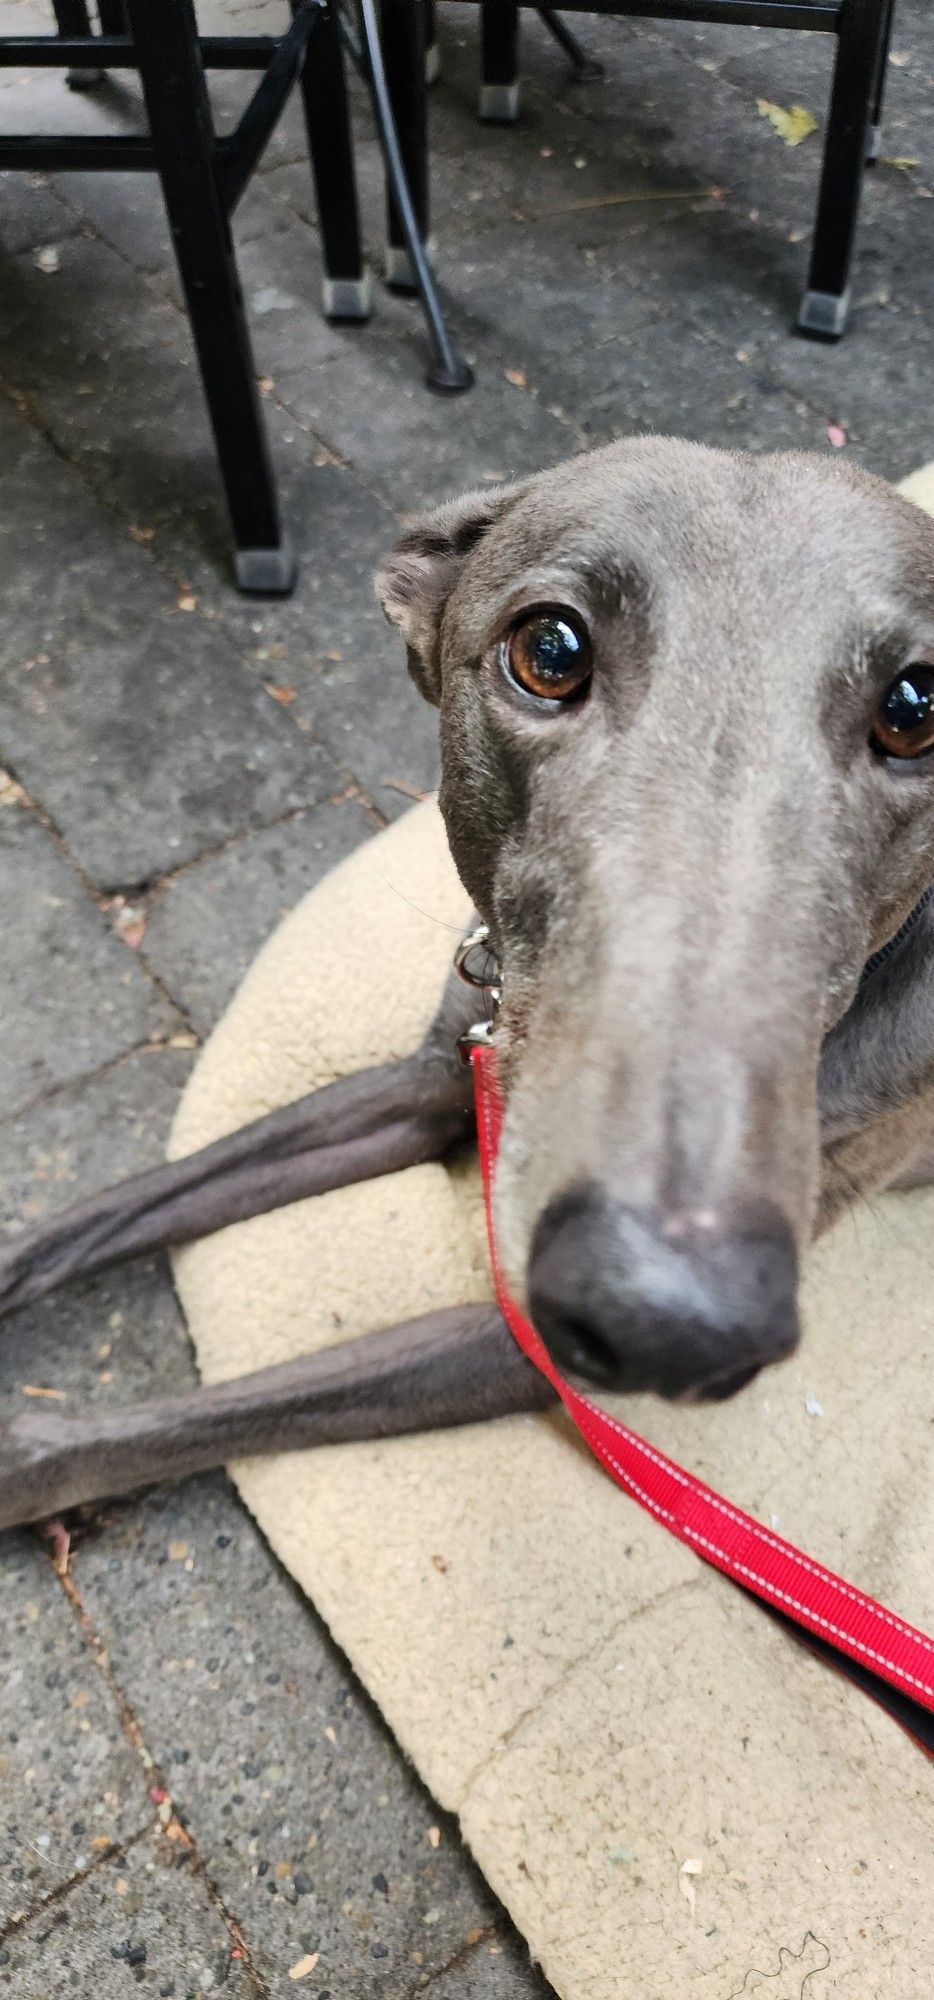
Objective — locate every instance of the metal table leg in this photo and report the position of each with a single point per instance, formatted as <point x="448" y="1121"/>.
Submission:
<point x="862" y="31"/>
<point x="449" y="372"/>
<point x="172" y="76"/>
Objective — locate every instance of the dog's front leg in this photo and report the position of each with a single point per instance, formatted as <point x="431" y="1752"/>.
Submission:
<point x="374" y="1122"/>
<point x="457" y="1366"/>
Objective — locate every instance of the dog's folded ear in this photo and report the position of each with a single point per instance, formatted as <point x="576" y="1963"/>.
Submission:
<point x="415" y="581"/>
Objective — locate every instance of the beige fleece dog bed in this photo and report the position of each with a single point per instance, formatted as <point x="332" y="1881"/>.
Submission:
<point x="597" y="1706"/>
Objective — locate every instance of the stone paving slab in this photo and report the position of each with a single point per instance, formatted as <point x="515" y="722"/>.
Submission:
<point x="107" y="1340"/>
<point x="425" y="446"/>
<point x="310" y="1824"/>
<point x="72" y="995"/>
<point x="149" y="750"/>
<point x="205" y="925"/>
<point x="120" y="1335"/>
<point x="62" y="579"/>
<point x="89" y="1132"/>
<point x="144" y="1922"/>
<point x="30" y="215"/>
<point x="70" y="1785"/>
<point x="616" y="361"/>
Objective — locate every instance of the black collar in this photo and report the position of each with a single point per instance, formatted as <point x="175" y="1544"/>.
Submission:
<point x="887" y="951"/>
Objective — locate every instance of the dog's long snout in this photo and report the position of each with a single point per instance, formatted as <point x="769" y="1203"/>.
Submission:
<point x="676" y="1304"/>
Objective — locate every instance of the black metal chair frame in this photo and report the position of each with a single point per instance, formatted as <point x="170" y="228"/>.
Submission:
<point x="203" y="176"/>
<point x="863" y="30"/>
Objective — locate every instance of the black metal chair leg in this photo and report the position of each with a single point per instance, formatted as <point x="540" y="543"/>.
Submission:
<point x="874" y="143"/>
<point x="826" y="300"/>
<point x="172" y="76"/>
<point x="402" y="36"/>
<point x="346" y="283"/>
<point x="432" y="49"/>
<point x="584" y="67"/>
<point x="448" y="371"/>
<point x="112" y="17"/>
<point x="72" y="17"/>
<point x="499" y="55"/>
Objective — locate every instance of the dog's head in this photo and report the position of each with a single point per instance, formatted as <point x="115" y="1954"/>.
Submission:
<point x="685" y="699"/>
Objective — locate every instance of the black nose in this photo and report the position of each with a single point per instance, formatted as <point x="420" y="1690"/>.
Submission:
<point x="673" y="1304"/>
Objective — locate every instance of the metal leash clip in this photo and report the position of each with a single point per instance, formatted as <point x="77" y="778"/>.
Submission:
<point x="487" y="978"/>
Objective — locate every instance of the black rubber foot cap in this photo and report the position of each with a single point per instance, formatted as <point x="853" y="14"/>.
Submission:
<point x="823" y="314"/>
<point x="266" y="572"/>
<point x="450" y="379"/>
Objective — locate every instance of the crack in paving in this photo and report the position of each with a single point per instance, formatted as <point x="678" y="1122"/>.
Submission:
<point x="168" y="1817"/>
<point x="56" y="1090"/>
<point x="463" y="1952"/>
<point x="116" y="1852"/>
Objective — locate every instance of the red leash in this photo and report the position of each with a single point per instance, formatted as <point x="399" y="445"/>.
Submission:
<point x="888" y="1657"/>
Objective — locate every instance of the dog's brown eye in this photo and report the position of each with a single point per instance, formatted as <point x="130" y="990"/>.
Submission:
<point x="549" y="655"/>
<point x="904" y="722"/>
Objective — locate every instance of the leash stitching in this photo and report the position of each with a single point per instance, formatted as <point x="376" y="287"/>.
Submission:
<point x="737" y="1568"/>
<point x="748" y="1522"/>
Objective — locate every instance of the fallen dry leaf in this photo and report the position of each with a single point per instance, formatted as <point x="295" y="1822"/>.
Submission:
<point x="185" y="1039"/>
<point x="303" y="1966"/>
<point x="434" y="1836"/>
<point x="280" y="694"/>
<point x="11" y="794"/>
<point x="899" y="160"/>
<point x="53" y="1395"/>
<point x="141" y="534"/>
<point x="686" y="1872"/>
<point x="516" y="377"/>
<point x="60" y="1538"/>
<point x="178" y="1551"/>
<point x="792" y="125"/>
<point x="836" y="436"/>
<point x="186" y="600"/>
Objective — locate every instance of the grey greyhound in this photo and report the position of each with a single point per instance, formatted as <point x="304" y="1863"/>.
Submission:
<point x="687" y="727"/>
